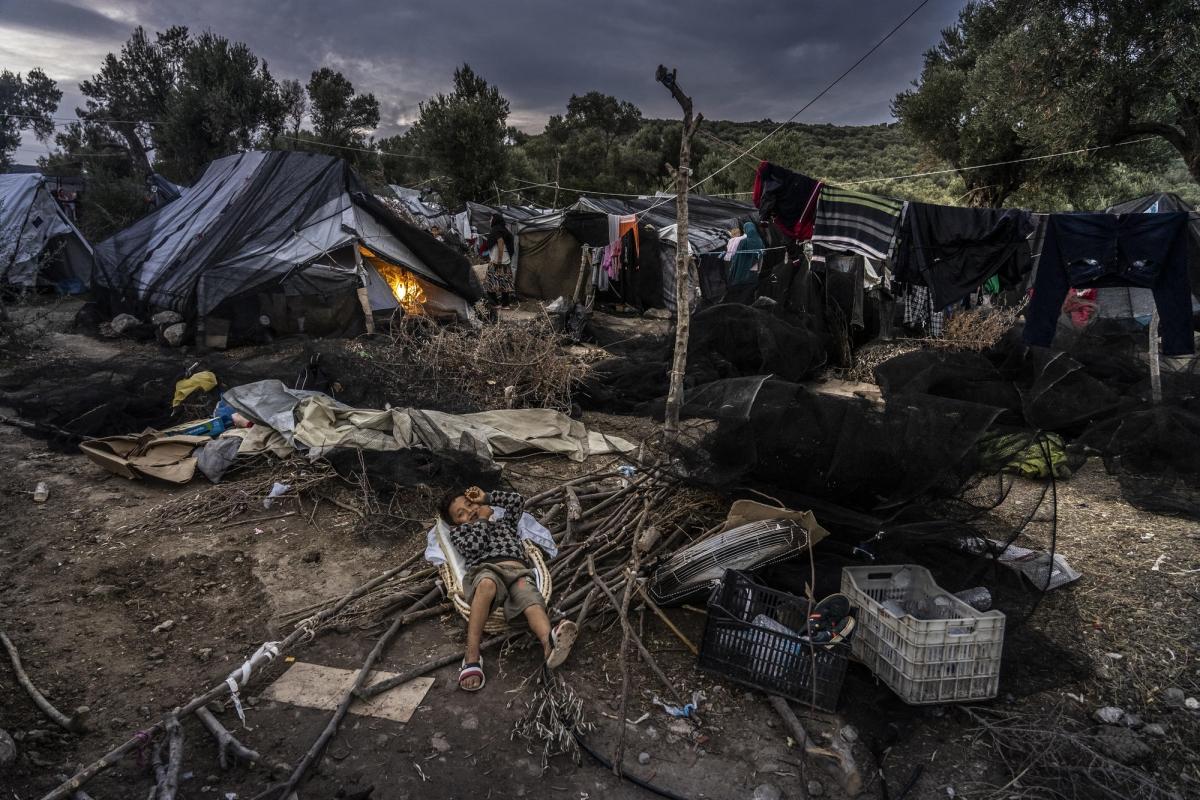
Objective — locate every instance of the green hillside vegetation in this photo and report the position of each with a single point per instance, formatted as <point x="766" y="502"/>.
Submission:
<point x="841" y="154"/>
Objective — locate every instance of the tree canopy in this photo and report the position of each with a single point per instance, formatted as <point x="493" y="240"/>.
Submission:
<point x="463" y="136"/>
<point x="340" y="117"/>
<point x="26" y="103"/>
<point x="1017" y="79"/>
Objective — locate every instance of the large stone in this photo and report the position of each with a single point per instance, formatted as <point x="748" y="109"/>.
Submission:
<point x="123" y="322"/>
<point x="174" y="334"/>
<point x="8" y="750"/>
<point x="1122" y="745"/>
<point x="167" y="318"/>
<point x="766" y="791"/>
<point x="1108" y="715"/>
<point x="1173" y="697"/>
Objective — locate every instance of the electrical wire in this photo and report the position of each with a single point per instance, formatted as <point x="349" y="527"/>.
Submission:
<point x="805" y="107"/>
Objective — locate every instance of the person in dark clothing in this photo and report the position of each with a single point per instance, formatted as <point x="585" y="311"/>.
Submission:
<point x="498" y="245"/>
<point x="497" y="572"/>
<point x="1086" y="251"/>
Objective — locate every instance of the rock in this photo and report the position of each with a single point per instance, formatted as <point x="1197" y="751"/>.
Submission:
<point x="163" y="626"/>
<point x="123" y="322"/>
<point x="8" y="749"/>
<point x="167" y="318"/>
<point x="1122" y="745"/>
<point x="104" y="590"/>
<point x="311" y="557"/>
<point x="1191" y="704"/>
<point x="766" y="791"/>
<point x="849" y="734"/>
<point x="204" y="653"/>
<point x="651" y="732"/>
<point x="470" y="722"/>
<point x="657" y="313"/>
<point x="1154" y="729"/>
<point x="1108" y="715"/>
<point x="1173" y="697"/>
<point x="174" y="334"/>
<point x="381" y="740"/>
<point x="1132" y="721"/>
<point x="643" y="758"/>
<point x="438" y="742"/>
<point x="815" y="789"/>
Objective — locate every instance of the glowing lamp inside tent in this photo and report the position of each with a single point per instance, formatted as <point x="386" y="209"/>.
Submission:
<point x="405" y="286"/>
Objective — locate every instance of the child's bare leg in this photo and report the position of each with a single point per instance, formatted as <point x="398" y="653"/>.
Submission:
<point x="481" y="607"/>
<point x="539" y="623"/>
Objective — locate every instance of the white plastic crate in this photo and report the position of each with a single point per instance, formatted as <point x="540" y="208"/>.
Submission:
<point x="951" y="655"/>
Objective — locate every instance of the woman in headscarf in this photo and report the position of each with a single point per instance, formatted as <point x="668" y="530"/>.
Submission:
<point x="744" y="268"/>
<point x="498" y="245"/>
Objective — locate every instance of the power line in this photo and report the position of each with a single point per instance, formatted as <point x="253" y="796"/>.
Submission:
<point x="805" y="107"/>
<point x="999" y="163"/>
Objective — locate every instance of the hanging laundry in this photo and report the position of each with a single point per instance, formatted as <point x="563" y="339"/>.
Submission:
<point x="919" y="313"/>
<point x="732" y="245"/>
<point x="1106" y="250"/>
<point x="788" y="198"/>
<point x="954" y="250"/>
<point x="857" y="221"/>
<point x="1080" y="306"/>
<point x="621" y="224"/>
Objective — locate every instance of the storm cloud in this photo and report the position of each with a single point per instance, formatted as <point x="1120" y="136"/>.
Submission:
<point x="738" y="61"/>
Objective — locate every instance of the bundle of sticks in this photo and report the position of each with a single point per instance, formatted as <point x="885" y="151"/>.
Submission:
<point x="609" y="528"/>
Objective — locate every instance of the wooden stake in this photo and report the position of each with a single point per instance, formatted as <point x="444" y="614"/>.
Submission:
<point x="73" y="724"/>
<point x="837" y="760"/>
<point x="661" y="615"/>
<point x="682" y="251"/>
<point x="229" y="749"/>
<point x="317" y="750"/>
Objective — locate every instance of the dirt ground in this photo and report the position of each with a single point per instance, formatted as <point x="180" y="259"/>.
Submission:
<point x="83" y="588"/>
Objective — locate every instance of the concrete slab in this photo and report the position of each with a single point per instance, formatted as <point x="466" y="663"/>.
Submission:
<point x="315" y="686"/>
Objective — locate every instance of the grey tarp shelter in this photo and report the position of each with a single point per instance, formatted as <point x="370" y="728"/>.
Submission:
<point x="258" y="226"/>
<point x="548" y="246"/>
<point x="39" y="246"/>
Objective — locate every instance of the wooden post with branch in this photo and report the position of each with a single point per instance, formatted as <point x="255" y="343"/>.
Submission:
<point x="682" y="312"/>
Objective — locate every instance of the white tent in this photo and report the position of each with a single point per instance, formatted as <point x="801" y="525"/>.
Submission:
<point x="38" y="243"/>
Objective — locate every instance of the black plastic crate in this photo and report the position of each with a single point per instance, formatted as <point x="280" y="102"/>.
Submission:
<point x="763" y="655"/>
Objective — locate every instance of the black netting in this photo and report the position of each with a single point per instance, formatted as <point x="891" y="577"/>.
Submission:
<point x="725" y="341"/>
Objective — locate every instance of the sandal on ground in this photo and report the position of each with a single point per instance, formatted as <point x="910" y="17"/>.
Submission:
<point x="472" y="670"/>
<point x="562" y="638"/>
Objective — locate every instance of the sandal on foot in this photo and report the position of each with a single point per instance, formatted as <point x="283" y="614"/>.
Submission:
<point x="472" y="670"/>
<point x="562" y="638"/>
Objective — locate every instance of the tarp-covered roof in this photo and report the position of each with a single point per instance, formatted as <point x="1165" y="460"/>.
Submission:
<point x="250" y="221"/>
<point x="30" y="220"/>
<point x="709" y="218"/>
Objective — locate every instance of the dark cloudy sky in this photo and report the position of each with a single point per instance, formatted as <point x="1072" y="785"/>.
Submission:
<point x="738" y="60"/>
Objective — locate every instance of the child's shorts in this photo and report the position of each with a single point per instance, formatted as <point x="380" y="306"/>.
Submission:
<point x="516" y="586"/>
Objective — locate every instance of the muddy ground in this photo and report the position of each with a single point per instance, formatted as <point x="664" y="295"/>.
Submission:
<point x="83" y="587"/>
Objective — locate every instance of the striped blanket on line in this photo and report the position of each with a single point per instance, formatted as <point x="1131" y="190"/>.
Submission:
<point x="856" y="221"/>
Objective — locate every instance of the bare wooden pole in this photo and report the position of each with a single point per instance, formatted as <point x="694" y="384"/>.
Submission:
<point x="682" y="251"/>
<point x="75" y="724"/>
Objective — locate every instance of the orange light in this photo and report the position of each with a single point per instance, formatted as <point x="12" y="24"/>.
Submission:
<point x="404" y="285"/>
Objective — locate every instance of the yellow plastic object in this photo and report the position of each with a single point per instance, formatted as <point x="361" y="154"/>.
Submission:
<point x="201" y="381"/>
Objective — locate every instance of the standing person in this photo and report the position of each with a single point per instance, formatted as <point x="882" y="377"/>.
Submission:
<point x="744" y="268"/>
<point x="498" y="245"/>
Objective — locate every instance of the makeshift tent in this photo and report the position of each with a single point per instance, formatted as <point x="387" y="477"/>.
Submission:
<point x="38" y="244"/>
<point x="549" y="246"/>
<point x="281" y="240"/>
<point x="425" y="211"/>
<point x="162" y="191"/>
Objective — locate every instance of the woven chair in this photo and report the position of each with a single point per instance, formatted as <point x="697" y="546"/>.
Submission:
<point x="453" y="572"/>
